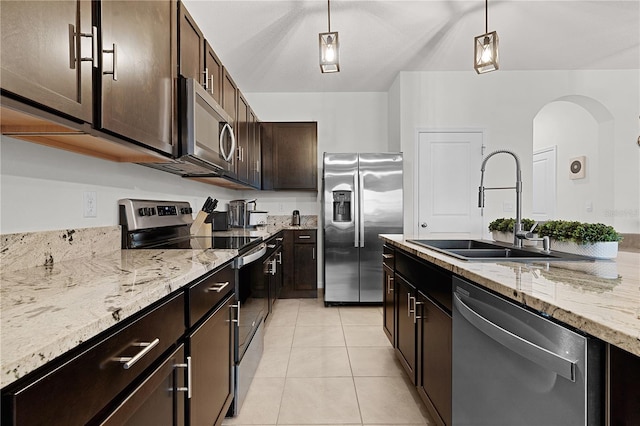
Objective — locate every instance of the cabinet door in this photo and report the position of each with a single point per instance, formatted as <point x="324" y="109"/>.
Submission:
<point x="213" y="73"/>
<point x="434" y="360"/>
<point x="242" y="138"/>
<point x="157" y="401"/>
<point x="295" y="157"/>
<point x="229" y="94"/>
<point x="305" y="269"/>
<point x="138" y="81"/>
<point x="211" y="362"/>
<point x="388" y="288"/>
<point x="254" y="151"/>
<point x="406" y="326"/>
<point x="41" y="54"/>
<point x="191" y="49"/>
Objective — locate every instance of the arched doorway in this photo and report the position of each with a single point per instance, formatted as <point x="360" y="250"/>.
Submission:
<point x="577" y="126"/>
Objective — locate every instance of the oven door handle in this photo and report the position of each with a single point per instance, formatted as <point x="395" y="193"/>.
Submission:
<point x="251" y="257"/>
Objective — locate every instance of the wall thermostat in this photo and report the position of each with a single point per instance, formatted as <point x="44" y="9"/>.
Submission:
<point x="577" y="167"/>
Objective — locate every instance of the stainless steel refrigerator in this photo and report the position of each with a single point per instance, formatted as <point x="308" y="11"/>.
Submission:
<point x="362" y="197"/>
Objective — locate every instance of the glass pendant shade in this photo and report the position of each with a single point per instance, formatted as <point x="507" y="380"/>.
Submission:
<point x="329" y="52"/>
<point x="486" y="52"/>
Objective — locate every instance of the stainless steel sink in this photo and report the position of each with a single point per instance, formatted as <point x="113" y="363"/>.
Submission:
<point x="480" y="250"/>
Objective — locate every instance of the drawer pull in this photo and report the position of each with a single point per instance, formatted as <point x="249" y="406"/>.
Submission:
<point x="279" y="239"/>
<point x="271" y="246"/>
<point x="218" y="287"/>
<point x="128" y="361"/>
<point x="188" y="367"/>
<point x="304" y="237"/>
<point x="387" y="256"/>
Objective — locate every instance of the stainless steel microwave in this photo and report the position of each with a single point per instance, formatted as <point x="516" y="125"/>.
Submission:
<point x="206" y="130"/>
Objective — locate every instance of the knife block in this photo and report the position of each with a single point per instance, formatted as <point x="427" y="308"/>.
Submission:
<point x="198" y="227"/>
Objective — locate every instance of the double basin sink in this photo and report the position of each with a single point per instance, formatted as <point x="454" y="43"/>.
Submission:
<point x="480" y="250"/>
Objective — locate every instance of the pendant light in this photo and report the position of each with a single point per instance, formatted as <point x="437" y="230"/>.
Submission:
<point x="486" y="47"/>
<point x="329" y="47"/>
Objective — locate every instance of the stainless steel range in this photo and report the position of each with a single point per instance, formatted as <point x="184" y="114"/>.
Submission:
<point x="165" y="225"/>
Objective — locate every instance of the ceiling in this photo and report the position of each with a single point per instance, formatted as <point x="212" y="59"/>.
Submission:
<point x="272" y="46"/>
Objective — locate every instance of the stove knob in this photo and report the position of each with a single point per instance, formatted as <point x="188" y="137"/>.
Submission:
<point x="141" y="211"/>
<point x="152" y="211"/>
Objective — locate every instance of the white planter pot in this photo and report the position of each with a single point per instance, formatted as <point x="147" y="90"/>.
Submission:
<point x="601" y="250"/>
<point x="507" y="237"/>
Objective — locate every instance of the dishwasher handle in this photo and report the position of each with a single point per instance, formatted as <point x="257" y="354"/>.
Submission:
<point x="541" y="356"/>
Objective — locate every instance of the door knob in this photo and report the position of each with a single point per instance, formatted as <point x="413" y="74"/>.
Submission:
<point x="423" y="224"/>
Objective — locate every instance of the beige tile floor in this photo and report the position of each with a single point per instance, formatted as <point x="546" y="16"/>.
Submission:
<point x="329" y="366"/>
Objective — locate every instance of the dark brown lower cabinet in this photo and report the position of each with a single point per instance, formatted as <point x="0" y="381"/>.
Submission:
<point x="159" y="400"/>
<point x="210" y="348"/>
<point x="300" y="253"/>
<point x="388" y="297"/>
<point x="434" y="358"/>
<point x="624" y="387"/>
<point x="406" y="326"/>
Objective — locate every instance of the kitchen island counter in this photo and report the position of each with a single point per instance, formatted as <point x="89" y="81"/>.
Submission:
<point x="601" y="298"/>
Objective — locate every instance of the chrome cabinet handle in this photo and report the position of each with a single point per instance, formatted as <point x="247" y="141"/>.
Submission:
<point x="114" y="52"/>
<point x="313" y="253"/>
<point x="237" y="320"/>
<point x="217" y="287"/>
<point x="415" y="310"/>
<point x="387" y="256"/>
<point x="72" y="47"/>
<point x="408" y="305"/>
<point x="129" y="361"/>
<point x="389" y="280"/>
<point x="206" y="78"/>
<point x="94" y="46"/>
<point x="211" y="85"/>
<point x="279" y="239"/>
<point x="271" y="246"/>
<point x="186" y="389"/>
<point x="279" y="256"/>
<point x="541" y="356"/>
<point x="304" y="237"/>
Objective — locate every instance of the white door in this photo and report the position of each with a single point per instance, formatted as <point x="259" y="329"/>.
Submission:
<point x="448" y="179"/>
<point x="544" y="184"/>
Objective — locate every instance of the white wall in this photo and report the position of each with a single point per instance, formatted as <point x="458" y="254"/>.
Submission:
<point x="42" y="188"/>
<point x="504" y="104"/>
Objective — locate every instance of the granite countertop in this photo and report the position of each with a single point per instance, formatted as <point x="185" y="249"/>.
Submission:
<point x="601" y="298"/>
<point x="77" y="286"/>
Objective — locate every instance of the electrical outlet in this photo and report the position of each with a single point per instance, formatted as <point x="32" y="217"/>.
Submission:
<point x="90" y="204"/>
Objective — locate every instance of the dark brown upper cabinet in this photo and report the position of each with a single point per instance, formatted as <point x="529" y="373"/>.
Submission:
<point x="191" y="50"/>
<point x="254" y="151"/>
<point x="242" y="140"/>
<point x="289" y="156"/>
<point x="212" y="73"/>
<point x="139" y="50"/>
<point x="47" y="54"/>
<point x="229" y="94"/>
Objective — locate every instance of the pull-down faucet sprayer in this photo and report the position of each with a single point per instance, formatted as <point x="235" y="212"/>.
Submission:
<point x="517" y="232"/>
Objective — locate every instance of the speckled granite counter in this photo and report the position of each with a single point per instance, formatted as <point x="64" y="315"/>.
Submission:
<point x="60" y="288"/>
<point x="601" y="298"/>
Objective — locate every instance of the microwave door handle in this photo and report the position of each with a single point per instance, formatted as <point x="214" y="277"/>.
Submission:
<point x="225" y="155"/>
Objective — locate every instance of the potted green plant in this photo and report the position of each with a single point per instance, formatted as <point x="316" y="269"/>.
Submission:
<point x="502" y="229"/>
<point x="588" y="239"/>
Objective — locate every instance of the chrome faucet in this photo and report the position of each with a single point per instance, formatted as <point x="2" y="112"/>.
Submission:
<point x="518" y="233"/>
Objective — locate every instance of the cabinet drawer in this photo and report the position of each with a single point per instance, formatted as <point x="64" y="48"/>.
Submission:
<point x="307" y="236"/>
<point x="431" y="280"/>
<point x="82" y="385"/>
<point x="388" y="256"/>
<point x="205" y="294"/>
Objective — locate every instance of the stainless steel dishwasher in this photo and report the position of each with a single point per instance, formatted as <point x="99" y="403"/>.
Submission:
<point x="514" y="367"/>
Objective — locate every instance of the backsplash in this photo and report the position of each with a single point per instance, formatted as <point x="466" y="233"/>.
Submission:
<point x="306" y="221"/>
<point x="27" y="250"/>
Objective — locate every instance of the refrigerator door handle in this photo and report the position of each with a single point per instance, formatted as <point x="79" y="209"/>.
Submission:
<point x="356" y="209"/>
<point x="361" y="208"/>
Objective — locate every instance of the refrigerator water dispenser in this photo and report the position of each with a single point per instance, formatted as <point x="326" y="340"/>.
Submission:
<point x="342" y="206"/>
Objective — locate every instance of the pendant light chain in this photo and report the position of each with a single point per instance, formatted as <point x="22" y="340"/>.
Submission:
<point x="329" y="14"/>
